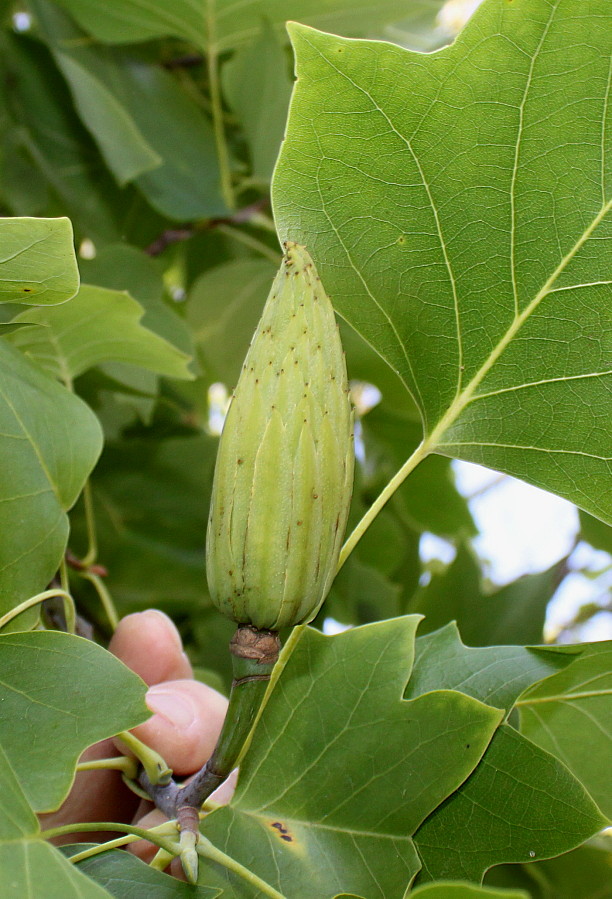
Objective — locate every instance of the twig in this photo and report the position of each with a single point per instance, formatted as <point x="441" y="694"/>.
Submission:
<point x="251" y="213"/>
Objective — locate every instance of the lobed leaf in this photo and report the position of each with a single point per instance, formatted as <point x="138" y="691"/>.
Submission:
<point x="568" y="715"/>
<point x="457" y="208"/>
<point x="341" y="770"/>
<point x="60" y="691"/>
<point x="496" y="675"/>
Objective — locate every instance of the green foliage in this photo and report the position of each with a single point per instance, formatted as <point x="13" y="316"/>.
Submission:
<point x="389" y="196"/>
<point x="30" y="866"/>
<point x="44" y="711"/>
<point x="50" y="442"/>
<point x="456" y="205"/>
<point x="37" y="265"/>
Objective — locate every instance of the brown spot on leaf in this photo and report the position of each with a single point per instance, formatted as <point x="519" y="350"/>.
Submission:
<point x="282" y="831"/>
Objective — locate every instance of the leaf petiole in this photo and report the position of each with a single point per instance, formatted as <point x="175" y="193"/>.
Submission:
<point x="156" y="768"/>
<point x="103" y="594"/>
<point x="124" y="763"/>
<point x="206" y="849"/>
<point x="152" y="836"/>
<point x="69" y="607"/>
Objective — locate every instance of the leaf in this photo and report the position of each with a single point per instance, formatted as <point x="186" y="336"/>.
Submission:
<point x="124" y="148"/>
<point x="496" y="675"/>
<point x="28" y="866"/>
<point x="49" y="443"/>
<point x="584" y="872"/>
<point x="122" y="874"/>
<point x="125" y="21"/>
<point x="568" y="715"/>
<point x="596" y="532"/>
<point x="55" y="144"/>
<point x="341" y="771"/>
<point x="98" y="326"/>
<point x="422" y="184"/>
<point x="224" y="306"/>
<point x="258" y="87"/>
<point x="513" y="614"/>
<point x="148" y="128"/>
<point x="18" y="819"/>
<point x="151" y="503"/>
<point x="520" y="804"/>
<point x="60" y="691"/>
<point x="34" y="868"/>
<point x="124" y="267"/>
<point x="449" y="890"/>
<point x="37" y="261"/>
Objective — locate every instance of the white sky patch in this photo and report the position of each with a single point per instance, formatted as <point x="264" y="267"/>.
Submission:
<point x="22" y="21"/>
<point x="523" y="529"/>
<point x="331" y="627"/>
<point x="433" y="547"/>
<point x="218" y="404"/>
<point x="455" y="13"/>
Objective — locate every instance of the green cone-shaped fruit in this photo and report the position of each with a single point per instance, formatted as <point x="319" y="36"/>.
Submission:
<point x="284" y="474"/>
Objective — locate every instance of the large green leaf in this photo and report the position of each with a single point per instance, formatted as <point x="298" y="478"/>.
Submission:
<point x="341" y="770"/>
<point x="229" y="23"/>
<point x="457" y="209"/>
<point x="570" y="715"/>
<point x="37" y="261"/>
<point x="63" y="692"/>
<point x="98" y="325"/>
<point x="49" y="443"/>
<point x="519" y="805"/>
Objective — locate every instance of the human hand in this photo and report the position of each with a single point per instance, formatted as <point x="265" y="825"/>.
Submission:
<point x="186" y="722"/>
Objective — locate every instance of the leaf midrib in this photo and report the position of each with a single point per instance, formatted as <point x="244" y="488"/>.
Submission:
<point x="469" y="395"/>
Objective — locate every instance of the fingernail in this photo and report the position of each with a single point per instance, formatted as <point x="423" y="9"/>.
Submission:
<point x="174" y="708"/>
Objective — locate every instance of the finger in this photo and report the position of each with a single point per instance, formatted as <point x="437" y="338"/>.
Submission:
<point x="149" y="643"/>
<point x="186" y="723"/>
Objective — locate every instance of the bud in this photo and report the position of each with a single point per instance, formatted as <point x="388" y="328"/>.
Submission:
<point x="284" y="472"/>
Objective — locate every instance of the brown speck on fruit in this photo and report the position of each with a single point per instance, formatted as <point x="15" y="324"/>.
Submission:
<point x="240" y="461"/>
